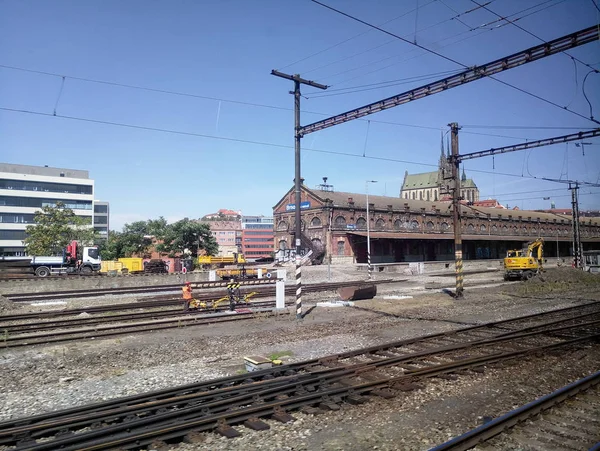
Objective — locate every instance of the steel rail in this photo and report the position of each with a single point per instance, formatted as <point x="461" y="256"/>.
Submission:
<point x="66" y="323"/>
<point x="278" y="371"/>
<point x="329" y="375"/>
<point x="119" y="329"/>
<point x="176" y="424"/>
<point x="486" y="431"/>
<point x="33" y="297"/>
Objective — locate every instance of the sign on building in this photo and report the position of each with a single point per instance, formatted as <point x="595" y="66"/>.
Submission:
<point x="292" y="207"/>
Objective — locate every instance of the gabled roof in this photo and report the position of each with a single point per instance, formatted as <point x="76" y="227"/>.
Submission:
<point x="423" y="180"/>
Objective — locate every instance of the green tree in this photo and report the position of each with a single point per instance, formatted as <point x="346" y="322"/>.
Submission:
<point x="190" y="235"/>
<point x="54" y="228"/>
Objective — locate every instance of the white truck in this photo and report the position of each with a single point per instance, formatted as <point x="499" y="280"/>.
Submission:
<point x="75" y="260"/>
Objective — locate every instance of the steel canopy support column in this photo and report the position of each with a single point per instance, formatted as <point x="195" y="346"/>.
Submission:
<point x="458" y="257"/>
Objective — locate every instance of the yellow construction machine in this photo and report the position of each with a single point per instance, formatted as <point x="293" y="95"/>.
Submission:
<point x="524" y="263"/>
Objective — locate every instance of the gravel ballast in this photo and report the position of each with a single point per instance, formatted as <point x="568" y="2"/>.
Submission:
<point x="47" y="378"/>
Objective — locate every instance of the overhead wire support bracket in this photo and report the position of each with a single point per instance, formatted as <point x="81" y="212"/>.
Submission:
<point x="530" y="145"/>
<point x="529" y="55"/>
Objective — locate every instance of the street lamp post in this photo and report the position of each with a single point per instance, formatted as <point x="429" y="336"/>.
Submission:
<point x="369" y="267"/>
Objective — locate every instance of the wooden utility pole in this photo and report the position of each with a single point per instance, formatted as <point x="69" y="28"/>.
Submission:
<point x="456" y="198"/>
<point x="297" y="178"/>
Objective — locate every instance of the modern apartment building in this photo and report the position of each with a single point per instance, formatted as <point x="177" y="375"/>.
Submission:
<point x="101" y="218"/>
<point x="24" y="190"/>
<point x="257" y="237"/>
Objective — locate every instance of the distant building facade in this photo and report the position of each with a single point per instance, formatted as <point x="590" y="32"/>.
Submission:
<point x="228" y="235"/>
<point x="257" y="237"/>
<point x="406" y="230"/>
<point x="24" y="190"/>
<point x="101" y="218"/>
<point x="431" y="186"/>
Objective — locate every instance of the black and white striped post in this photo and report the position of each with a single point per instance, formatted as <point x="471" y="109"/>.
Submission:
<point x="369" y="266"/>
<point x="297" y="180"/>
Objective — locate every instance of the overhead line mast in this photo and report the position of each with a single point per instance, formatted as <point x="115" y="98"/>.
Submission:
<point x="529" y="55"/>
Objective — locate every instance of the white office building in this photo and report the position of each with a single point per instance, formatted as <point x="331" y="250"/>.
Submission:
<point x="24" y="190"/>
<point x="101" y="218"/>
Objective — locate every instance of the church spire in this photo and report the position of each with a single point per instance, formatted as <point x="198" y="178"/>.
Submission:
<point x="464" y="176"/>
<point x="442" y="142"/>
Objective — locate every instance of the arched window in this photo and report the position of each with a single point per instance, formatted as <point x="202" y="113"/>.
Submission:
<point x="470" y="228"/>
<point x="340" y="247"/>
<point x="315" y="222"/>
<point x="397" y="224"/>
<point x="444" y="226"/>
<point x="420" y="195"/>
<point x="430" y="225"/>
<point x="414" y="224"/>
<point x="340" y="221"/>
<point x="494" y="229"/>
<point x="380" y="224"/>
<point x="282" y="244"/>
<point x="435" y="194"/>
<point x="361" y="223"/>
<point x="428" y="195"/>
<point x="505" y="230"/>
<point x="482" y="228"/>
<point x="282" y="226"/>
<point x="413" y="195"/>
<point x="317" y="243"/>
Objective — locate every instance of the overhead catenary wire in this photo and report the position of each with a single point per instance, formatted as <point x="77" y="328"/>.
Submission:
<point x="370" y="49"/>
<point x="451" y="60"/>
<point x="421" y="54"/>
<point x="245" y="141"/>
<point x="348" y="39"/>
<point x="528" y="32"/>
<point x="217" y="99"/>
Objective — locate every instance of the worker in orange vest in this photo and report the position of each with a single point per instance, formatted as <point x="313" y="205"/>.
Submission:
<point x="187" y="295"/>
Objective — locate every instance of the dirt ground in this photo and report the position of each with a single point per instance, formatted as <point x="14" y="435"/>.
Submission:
<point x="46" y="378"/>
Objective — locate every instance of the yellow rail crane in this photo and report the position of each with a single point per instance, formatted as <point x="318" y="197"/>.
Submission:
<point x="524" y="263"/>
<point x="234" y="297"/>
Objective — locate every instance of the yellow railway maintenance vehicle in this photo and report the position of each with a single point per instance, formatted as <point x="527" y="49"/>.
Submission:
<point x="524" y="263"/>
<point x="234" y="297"/>
<point x="211" y="261"/>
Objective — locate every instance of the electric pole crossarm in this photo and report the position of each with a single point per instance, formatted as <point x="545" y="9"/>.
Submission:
<point x="297" y="78"/>
<point x="529" y="55"/>
<point x="531" y="144"/>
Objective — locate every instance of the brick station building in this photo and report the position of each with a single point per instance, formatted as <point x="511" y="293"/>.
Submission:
<point x="405" y="230"/>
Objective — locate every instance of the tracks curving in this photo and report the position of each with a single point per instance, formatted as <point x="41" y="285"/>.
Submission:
<point x="318" y="384"/>
<point x="568" y="418"/>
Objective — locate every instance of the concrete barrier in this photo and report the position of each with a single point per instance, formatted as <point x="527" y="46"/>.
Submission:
<point x="65" y="283"/>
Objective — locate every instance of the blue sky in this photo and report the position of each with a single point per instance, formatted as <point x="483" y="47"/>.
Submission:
<point x="225" y="49"/>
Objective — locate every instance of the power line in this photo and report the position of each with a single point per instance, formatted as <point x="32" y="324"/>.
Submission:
<point x="524" y="127"/>
<point x="170" y="131"/>
<point x="529" y="33"/>
<point x="245" y="141"/>
<point x="433" y="43"/>
<point x="370" y="49"/>
<point x="258" y="105"/>
<point x="348" y="39"/>
<point x="452" y="60"/>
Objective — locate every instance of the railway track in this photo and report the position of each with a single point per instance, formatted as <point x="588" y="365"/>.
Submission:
<point x="568" y="418"/>
<point x="314" y="385"/>
<point x="259" y="283"/>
